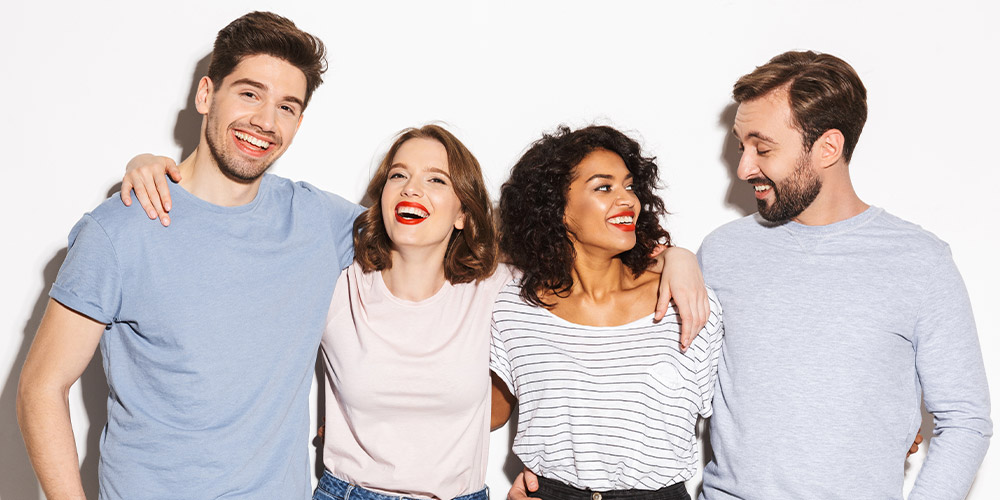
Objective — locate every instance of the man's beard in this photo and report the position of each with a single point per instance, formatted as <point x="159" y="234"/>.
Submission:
<point x="792" y="195"/>
<point x="236" y="168"/>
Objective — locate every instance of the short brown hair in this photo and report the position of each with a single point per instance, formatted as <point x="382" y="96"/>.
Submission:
<point x="273" y="35"/>
<point x="472" y="251"/>
<point x="824" y="93"/>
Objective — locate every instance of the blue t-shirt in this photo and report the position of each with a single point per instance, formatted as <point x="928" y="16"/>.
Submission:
<point x="214" y="324"/>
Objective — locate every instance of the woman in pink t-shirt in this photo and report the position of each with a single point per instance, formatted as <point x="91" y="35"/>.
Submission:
<point x="406" y="348"/>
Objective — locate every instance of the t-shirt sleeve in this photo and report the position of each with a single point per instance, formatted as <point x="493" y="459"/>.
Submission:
<point x="499" y="361"/>
<point x="342" y="218"/>
<point x="90" y="280"/>
<point x="708" y="366"/>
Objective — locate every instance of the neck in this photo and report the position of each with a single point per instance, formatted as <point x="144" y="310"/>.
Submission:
<point x="202" y="177"/>
<point x="836" y="201"/>
<point x="597" y="276"/>
<point x="414" y="275"/>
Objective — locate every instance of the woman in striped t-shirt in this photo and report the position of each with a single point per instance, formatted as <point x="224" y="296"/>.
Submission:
<point x="608" y="400"/>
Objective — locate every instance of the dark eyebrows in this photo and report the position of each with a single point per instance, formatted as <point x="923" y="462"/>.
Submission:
<point x="407" y="168"/>
<point x="264" y="88"/>
<point x="755" y="135"/>
<point x="607" y="177"/>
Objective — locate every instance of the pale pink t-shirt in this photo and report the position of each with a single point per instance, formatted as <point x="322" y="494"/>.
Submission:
<point x="408" y="386"/>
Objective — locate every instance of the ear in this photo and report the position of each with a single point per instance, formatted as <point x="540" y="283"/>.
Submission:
<point x="460" y="220"/>
<point x="203" y="98"/>
<point x="829" y="148"/>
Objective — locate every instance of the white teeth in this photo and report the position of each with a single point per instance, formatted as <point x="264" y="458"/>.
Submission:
<point x="412" y="211"/>
<point x="624" y="219"/>
<point x="260" y="143"/>
<point x="761" y="187"/>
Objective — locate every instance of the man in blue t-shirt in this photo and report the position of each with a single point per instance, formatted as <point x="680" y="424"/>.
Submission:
<point x="208" y="330"/>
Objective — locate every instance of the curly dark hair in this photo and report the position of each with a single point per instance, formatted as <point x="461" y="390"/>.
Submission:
<point x="533" y="201"/>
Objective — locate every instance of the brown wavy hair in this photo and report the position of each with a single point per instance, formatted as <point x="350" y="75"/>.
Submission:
<point x="824" y="93"/>
<point x="472" y="251"/>
<point x="268" y="33"/>
<point x="534" y="238"/>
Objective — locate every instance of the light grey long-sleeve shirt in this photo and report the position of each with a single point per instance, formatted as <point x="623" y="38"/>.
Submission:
<point x="833" y="333"/>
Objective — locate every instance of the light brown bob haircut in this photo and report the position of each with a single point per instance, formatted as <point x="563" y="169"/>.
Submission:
<point x="472" y="251"/>
<point x="824" y="93"/>
<point x="267" y="33"/>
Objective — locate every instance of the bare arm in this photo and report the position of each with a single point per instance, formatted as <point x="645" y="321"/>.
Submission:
<point x="501" y="403"/>
<point x="144" y="175"/>
<point x="61" y="351"/>
<point x="681" y="280"/>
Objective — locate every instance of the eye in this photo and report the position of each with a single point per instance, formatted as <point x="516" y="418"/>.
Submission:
<point x="630" y="187"/>
<point x="763" y="152"/>
<point x="603" y="187"/>
<point x="439" y="181"/>
<point x="248" y="94"/>
<point x="288" y="109"/>
<point x="397" y="175"/>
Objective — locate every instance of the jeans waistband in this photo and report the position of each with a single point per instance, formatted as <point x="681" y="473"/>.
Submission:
<point x="550" y="489"/>
<point x="343" y="490"/>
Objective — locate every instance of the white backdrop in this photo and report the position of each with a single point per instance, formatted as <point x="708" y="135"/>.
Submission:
<point x="88" y="85"/>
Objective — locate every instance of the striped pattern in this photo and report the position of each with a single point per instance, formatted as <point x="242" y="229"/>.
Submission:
<point x="604" y="408"/>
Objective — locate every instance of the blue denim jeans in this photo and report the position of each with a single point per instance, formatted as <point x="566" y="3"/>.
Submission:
<point x="331" y="488"/>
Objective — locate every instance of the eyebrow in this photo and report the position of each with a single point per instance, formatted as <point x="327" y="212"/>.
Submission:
<point x="265" y="88"/>
<point x="607" y="177"/>
<point x="432" y="169"/>
<point x="756" y="135"/>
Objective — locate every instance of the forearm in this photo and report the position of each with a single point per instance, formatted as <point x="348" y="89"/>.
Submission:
<point x="43" y="415"/>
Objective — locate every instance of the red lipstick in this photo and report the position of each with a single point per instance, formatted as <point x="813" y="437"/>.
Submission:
<point x="416" y="213"/>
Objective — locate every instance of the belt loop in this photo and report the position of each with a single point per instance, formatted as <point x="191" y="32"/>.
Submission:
<point x="347" y="494"/>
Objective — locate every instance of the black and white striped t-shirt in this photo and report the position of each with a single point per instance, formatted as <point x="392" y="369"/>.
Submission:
<point x="605" y="408"/>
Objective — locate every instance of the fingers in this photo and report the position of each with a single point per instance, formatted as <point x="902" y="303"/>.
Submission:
<point x="163" y="199"/>
<point x="143" y="197"/>
<point x="530" y="480"/>
<point x="662" y="301"/>
<point x="173" y="171"/>
<point x="517" y="491"/>
<point x="125" y="193"/>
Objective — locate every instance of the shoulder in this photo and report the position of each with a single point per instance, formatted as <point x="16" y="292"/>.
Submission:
<point x="309" y="195"/>
<point x="732" y="232"/>
<point x="893" y="227"/>
<point x="910" y="245"/>
<point x="118" y="220"/>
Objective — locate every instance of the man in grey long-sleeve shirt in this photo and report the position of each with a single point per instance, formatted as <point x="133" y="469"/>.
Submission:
<point x="839" y="316"/>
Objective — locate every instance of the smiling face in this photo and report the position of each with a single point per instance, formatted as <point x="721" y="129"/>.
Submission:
<point x="773" y="159"/>
<point x="253" y="115"/>
<point x="601" y="209"/>
<point x="419" y="204"/>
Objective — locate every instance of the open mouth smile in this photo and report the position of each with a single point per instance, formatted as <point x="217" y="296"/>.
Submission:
<point x="251" y="144"/>
<point x="624" y="221"/>
<point x="408" y="212"/>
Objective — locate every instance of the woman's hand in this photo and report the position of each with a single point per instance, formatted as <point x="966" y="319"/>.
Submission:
<point x="144" y="174"/>
<point x="681" y="280"/>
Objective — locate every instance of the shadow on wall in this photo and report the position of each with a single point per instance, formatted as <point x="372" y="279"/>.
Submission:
<point x="17" y="479"/>
<point x="739" y="196"/>
<point x="187" y="130"/>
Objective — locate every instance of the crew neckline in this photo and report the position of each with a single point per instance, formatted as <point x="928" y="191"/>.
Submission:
<point x="178" y="191"/>
<point x="384" y="290"/>
<point x="842" y="226"/>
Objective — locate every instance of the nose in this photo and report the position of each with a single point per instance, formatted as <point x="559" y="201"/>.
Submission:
<point x="264" y="118"/>
<point x="412" y="188"/>
<point x="747" y="169"/>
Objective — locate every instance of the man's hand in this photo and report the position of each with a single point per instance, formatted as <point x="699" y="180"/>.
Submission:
<point x="682" y="281"/>
<point x="916" y="444"/>
<point x="525" y="482"/>
<point x="145" y="175"/>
